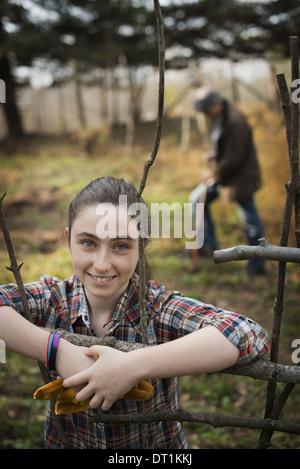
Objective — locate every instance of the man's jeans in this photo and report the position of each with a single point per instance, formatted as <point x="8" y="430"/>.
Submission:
<point x="248" y="215"/>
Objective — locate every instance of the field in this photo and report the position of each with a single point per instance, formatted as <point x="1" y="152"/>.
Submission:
<point x="43" y="174"/>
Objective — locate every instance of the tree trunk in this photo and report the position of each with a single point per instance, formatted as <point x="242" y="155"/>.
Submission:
<point x="10" y="107"/>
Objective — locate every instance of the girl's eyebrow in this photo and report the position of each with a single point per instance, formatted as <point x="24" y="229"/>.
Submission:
<point x="85" y="234"/>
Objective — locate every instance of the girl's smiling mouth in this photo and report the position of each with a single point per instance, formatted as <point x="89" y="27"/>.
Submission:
<point x="101" y="279"/>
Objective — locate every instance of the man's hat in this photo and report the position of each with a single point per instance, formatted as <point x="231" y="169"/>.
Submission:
<point x="209" y="100"/>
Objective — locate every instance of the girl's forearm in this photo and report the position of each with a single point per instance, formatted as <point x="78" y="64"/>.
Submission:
<point x="202" y="351"/>
<point x="21" y="336"/>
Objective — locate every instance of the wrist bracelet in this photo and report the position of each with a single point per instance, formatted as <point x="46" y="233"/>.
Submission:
<point x="52" y="350"/>
<point x="50" y="339"/>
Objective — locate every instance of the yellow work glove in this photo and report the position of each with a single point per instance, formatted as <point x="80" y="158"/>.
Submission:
<point x="66" y="402"/>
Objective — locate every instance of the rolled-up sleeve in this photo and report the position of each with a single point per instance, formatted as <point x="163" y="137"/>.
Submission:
<point x="38" y="295"/>
<point x="247" y="335"/>
<point x="182" y="316"/>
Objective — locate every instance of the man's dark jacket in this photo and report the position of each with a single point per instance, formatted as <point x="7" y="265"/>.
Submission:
<point x="237" y="168"/>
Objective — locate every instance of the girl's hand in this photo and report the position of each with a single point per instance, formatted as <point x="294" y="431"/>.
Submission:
<point x="72" y="359"/>
<point x="107" y="380"/>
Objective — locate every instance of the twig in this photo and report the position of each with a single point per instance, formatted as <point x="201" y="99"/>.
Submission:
<point x="161" y="90"/>
<point x="88" y="341"/>
<point x="15" y="269"/>
<point x="149" y="163"/>
<point x="291" y="116"/>
<point x="216" y="420"/>
<point x="264" y="250"/>
<point x="259" y="369"/>
<point x="290" y="198"/>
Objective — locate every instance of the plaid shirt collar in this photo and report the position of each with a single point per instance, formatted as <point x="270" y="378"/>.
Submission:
<point x="127" y="305"/>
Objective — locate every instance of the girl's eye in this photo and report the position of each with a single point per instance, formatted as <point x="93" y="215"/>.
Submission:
<point x="88" y="244"/>
<point x="121" y="247"/>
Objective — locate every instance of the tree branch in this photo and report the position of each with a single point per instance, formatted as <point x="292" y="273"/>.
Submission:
<point x="291" y="116"/>
<point x="149" y="163"/>
<point x="259" y="369"/>
<point x="15" y="269"/>
<point x="264" y="250"/>
<point x="161" y="91"/>
<point x="216" y="420"/>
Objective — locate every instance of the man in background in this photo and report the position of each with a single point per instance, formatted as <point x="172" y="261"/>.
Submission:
<point x="233" y="169"/>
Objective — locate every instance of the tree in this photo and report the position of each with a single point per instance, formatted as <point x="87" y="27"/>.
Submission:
<point x="60" y="32"/>
<point x="11" y="112"/>
<point x="96" y="33"/>
<point x="230" y="28"/>
<point x="22" y="40"/>
<point x="280" y="19"/>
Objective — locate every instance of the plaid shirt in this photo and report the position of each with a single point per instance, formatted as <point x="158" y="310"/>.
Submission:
<point x="58" y="303"/>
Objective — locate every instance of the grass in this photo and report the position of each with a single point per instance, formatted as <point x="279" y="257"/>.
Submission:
<point x="42" y="176"/>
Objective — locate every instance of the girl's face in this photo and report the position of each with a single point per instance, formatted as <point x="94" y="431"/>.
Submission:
<point x="104" y="261"/>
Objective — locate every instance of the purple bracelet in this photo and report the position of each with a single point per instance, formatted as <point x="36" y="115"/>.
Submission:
<point x="53" y="351"/>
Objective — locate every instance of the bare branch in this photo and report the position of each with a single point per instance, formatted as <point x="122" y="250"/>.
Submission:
<point x="216" y="420"/>
<point x="88" y="341"/>
<point x="291" y="115"/>
<point x="15" y="269"/>
<point x="264" y="250"/>
<point x="259" y="369"/>
<point x="149" y="163"/>
<point x="161" y="88"/>
<point x="266" y="370"/>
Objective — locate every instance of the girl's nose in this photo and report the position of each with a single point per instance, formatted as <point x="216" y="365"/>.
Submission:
<point x="102" y="262"/>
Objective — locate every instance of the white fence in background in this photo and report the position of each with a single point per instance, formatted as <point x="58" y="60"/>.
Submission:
<point x="54" y="110"/>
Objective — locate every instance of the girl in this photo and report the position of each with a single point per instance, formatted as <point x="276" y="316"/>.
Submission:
<point x="102" y="298"/>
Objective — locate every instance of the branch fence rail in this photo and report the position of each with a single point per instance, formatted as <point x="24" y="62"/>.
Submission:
<point x="262" y="369"/>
